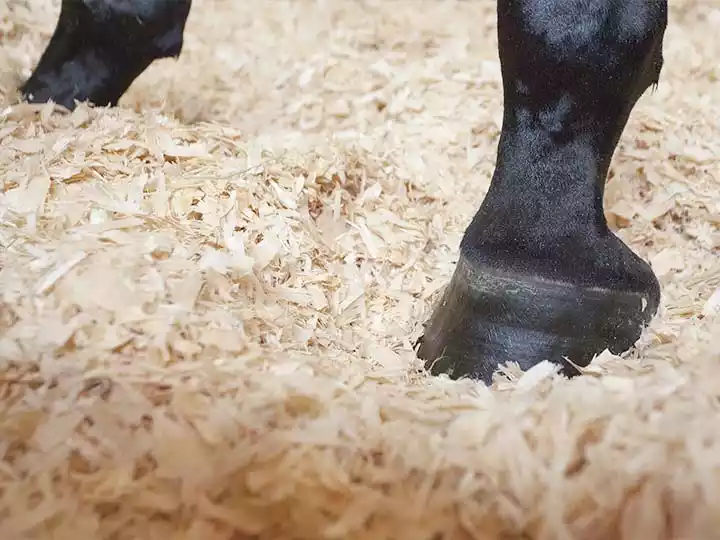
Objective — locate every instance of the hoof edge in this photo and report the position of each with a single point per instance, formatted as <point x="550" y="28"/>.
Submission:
<point x="487" y="318"/>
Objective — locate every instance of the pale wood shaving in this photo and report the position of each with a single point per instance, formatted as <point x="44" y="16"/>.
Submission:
<point x="210" y="294"/>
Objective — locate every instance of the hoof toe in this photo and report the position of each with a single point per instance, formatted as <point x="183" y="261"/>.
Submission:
<point x="487" y="318"/>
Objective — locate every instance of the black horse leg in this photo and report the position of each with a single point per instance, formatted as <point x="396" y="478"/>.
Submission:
<point x="100" y="47"/>
<point x="540" y="276"/>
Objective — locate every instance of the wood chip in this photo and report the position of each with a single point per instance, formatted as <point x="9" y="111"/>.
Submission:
<point x="245" y="251"/>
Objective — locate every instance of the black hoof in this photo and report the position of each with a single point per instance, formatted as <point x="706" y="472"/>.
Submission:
<point x="100" y="47"/>
<point x="487" y="318"/>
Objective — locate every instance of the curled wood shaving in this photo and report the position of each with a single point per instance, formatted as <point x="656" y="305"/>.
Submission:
<point x="209" y="295"/>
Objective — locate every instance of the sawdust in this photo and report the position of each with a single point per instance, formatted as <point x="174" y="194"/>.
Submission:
<point x="209" y="295"/>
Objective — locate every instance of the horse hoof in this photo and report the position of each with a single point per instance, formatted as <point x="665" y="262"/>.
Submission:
<point x="488" y="317"/>
<point x="100" y="47"/>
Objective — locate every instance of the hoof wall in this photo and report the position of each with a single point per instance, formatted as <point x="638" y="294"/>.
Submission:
<point x="487" y="318"/>
<point x="100" y="47"/>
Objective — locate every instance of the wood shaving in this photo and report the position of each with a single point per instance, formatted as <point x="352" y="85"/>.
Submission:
<point x="210" y="294"/>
